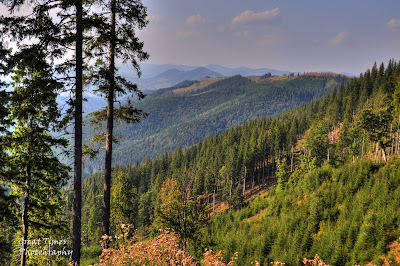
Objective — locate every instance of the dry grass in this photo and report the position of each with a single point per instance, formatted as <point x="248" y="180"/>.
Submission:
<point x="220" y="207"/>
<point x="279" y="78"/>
<point x="393" y="255"/>
<point x="323" y="74"/>
<point x="254" y="78"/>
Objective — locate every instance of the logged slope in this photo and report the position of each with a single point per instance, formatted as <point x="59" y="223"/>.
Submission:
<point x="187" y="113"/>
<point x="346" y="215"/>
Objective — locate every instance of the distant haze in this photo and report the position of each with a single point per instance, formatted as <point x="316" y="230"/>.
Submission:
<point x="299" y="36"/>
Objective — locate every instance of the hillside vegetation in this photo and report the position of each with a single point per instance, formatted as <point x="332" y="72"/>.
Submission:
<point x="193" y="110"/>
<point x="337" y="169"/>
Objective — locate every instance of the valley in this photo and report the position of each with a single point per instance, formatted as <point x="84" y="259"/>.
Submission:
<point x="190" y="111"/>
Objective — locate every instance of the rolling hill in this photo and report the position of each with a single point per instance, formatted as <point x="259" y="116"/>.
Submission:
<point x="193" y="110"/>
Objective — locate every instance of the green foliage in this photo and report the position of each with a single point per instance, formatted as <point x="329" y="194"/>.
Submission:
<point x="282" y="174"/>
<point x="189" y="118"/>
<point x="317" y="142"/>
<point x="34" y="171"/>
<point x="123" y="201"/>
<point x="180" y="210"/>
<point x="238" y="198"/>
<point x="346" y="215"/>
<point x="313" y="202"/>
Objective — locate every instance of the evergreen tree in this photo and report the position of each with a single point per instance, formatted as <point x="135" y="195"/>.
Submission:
<point x="77" y="114"/>
<point x="8" y="201"/>
<point x="123" y="202"/>
<point x="317" y="141"/>
<point x="56" y="29"/>
<point x="118" y="35"/>
<point x="37" y="173"/>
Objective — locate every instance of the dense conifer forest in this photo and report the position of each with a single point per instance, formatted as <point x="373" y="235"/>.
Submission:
<point x="196" y="112"/>
<point x="334" y="162"/>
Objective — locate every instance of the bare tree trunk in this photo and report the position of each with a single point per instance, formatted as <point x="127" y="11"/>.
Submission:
<point x="214" y="200"/>
<point x="398" y="138"/>
<point x="77" y="208"/>
<point x="263" y="171"/>
<point x="362" y="148"/>
<point x="328" y="156"/>
<point x="244" y="180"/>
<point x="230" y="194"/>
<point x="110" y="126"/>
<point x="252" y="179"/>
<point x="391" y="140"/>
<point x="384" y="155"/>
<point x="25" y="223"/>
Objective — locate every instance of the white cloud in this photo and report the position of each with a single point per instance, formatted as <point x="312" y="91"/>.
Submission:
<point x="340" y="37"/>
<point x="249" y="16"/>
<point x="184" y="34"/>
<point x="393" y="24"/>
<point x="196" y="20"/>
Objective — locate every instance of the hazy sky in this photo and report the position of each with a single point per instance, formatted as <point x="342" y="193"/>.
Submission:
<point x="294" y="35"/>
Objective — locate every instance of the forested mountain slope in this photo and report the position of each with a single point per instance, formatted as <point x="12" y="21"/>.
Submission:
<point x="193" y="110"/>
<point x="337" y="166"/>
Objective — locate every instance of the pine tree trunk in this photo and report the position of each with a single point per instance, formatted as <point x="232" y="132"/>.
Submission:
<point x="391" y="140"/>
<point x="328" y="156"/>
<point x="77" y="208"/>
<point x="184" y="224"/>
<point x="252" y="179"/>
<point x="397" y="143"/>
<point x="214" y="200"/>
<point x="244" y="180"/>
<point x="230" y="194"/>
<point x="362" y="148"/>
<point x="263" y="171"/>
<point x="110" y="125"/>
<point x="25" y="216"/>
<point x="384" y="155"/>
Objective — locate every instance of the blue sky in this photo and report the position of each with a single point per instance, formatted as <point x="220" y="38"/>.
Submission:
<point x="294" y="35"/>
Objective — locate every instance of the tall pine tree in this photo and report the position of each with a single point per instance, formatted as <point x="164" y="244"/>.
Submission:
<point x="117" y="34"/>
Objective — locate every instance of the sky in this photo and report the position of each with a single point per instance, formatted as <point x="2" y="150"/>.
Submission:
<point x="293" y="35"/>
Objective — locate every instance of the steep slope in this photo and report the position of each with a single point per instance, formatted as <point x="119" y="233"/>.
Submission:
<point x="337" y="164"/>
<point x="186" y="118"/>
<point x="346" y="215"/>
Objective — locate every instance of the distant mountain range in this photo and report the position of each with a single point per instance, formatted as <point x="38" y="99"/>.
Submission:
<point x="163" y="76"/>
